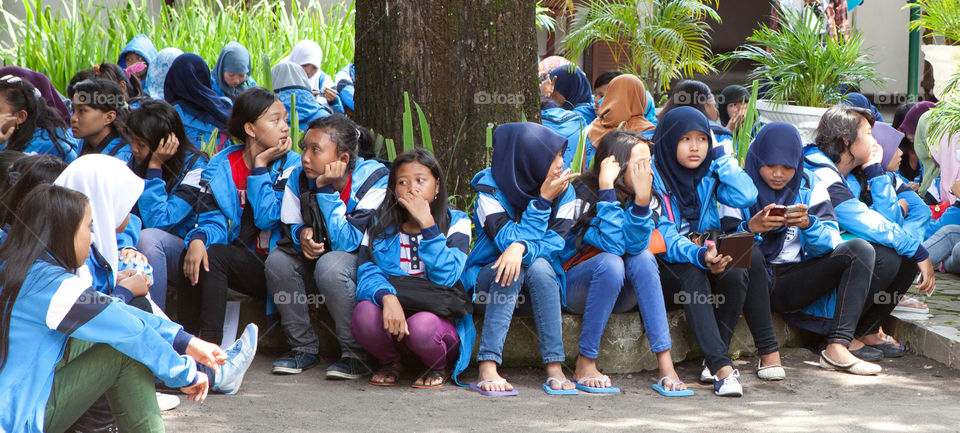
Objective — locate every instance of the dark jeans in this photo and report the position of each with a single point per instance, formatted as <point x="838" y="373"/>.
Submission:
<point x="204" y="306"/>
<point x="892" y="276"/>
<point x="848" y="269"/>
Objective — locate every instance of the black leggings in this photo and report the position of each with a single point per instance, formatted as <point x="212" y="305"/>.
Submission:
<point x="849" y="269"/>
<point x="204" y="307"/>
<point x="892" y="276"/>
<point x="713" y="304"/>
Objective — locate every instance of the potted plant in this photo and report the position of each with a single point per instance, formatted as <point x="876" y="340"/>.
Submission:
<point x="942" y="19"/>
<point x="801" y="70"/>
<point x="656" y="40"/>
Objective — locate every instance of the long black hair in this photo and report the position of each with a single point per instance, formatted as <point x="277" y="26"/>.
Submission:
<point x="391" y="214"/>
<point x="151" y="123"/>
<point x="21" y="95"/>
<point x="838" y="129"/>
<point x="112" y="72"/>
<point x="47" y="221"/>
<point x="25" y="174"/>
<point x="247" y="108"/>
<point x="7" y="158"/>
<point x="103" y="95"/>
<point x="620" y="145"/>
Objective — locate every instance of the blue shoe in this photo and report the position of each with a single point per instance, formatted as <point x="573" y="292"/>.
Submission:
<point x="294" y="362"/>
<point x="673" y="391"/>
<point x="239" y="357"/>
<point x="728" y="386"/>
<point x="549" y="390"/>
<point x="597" y="389"/>
<point x="347" y="368"/>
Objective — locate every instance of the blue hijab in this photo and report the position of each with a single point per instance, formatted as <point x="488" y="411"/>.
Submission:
<point x="858" y="100"/>
<point x="573" y="84"/>
<point x="522" y="156"/>
<point x="235" y="59"/>
<point x="778" y="143"/>
<point x="188" y="84"/>
<point x="140" y="44"/>
<point x="681" y="182"/>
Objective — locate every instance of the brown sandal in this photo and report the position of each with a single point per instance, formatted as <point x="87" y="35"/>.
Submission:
<point x="390" y="371"/>
<point x="431" y="374"/>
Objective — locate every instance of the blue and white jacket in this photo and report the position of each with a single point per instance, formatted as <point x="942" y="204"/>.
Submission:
<point x="886" y="190"/>
<point x="220" y="213"/>
<point x="853" y="216"/>
<point x="199" y="132"/>
<point x="173" y="212"/>
<point x="249" y="83"/>
<point x="308" y="108"/>
<point x="116" y="147"/>
<point x="41" y="143"/>
<point x="345" y="222"/>
<point x="616" y="229"/>
<point x="540" y="227"/>
<point x="725" y="189"/>
<point x="345" y="87"/>
<point x="54" y="305"/>
<point x="570" y="125"/>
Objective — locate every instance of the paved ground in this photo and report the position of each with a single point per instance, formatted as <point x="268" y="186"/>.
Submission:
<point x="912" y="394"/>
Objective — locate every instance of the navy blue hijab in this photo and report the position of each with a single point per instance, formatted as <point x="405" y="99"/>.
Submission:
<point x="681" y="182"/>
<point x="188" y="84"/>
<point x="858" y="100"/>
<point x="777" y="143"/>
<point x="522" y="156"/>
<point x="573" y="84"/>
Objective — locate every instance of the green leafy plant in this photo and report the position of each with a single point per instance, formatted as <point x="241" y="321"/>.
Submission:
<point x="746" y="131"/>
<point x="939" y="17"/>
<point x="797" y="63"/>
<point x="544" y="19"/>
<point x="657" y="40"/>
<point x="82" y="33"/>
<point x="295" y="133"/>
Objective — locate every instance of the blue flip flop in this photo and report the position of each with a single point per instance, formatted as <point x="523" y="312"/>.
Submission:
<point x="476" y="386"/>
<point x="547" y="389"/>
<point x="658" y="387"/>
<point x="595" y="389"/>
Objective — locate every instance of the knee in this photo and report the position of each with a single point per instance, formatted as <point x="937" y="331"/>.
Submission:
<point x="859" y="248"/>
<point x="611" y="268"/>
<point x="150" y="239"/>
<point x="216" y="256"/>
<point x="423" y="328"/>
<point x="339" y="263"/>
<point x="280" y="264"/>
<point x="644" y="262"/>
<point x="365" y="317"/>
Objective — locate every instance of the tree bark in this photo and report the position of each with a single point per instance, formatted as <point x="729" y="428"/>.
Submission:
<point x="465" y="62"/>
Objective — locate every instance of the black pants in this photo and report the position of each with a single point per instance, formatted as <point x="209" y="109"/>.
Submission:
<point x="892" y="276"/>
<point x="849" y="269"/>
<point x="713" y="304"/>
<point x="202" y="308"/>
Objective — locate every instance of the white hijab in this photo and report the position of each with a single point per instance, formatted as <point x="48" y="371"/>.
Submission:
<point x="307" y="52"/>
<point x="112" y="190"/>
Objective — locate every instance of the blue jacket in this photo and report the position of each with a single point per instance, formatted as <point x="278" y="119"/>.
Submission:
<point x="64" y="148"/>
<point x="142" y="45"/>
<point x="497" y="225"/>
<point x="725" y="183"/>
<point x="249" y="83"/>
<point x="570" y="125"/>
<point x="199" y="132"/>
<point x="345" y="87"/>
<point x="853" y="215"/>
<point x="345" y="222"/>
<point x="308" y="108"/>
<point x="54" y="305"/>
<point x="443" y="256"/>
<point x="220" y="212"/>
<point x="173" y="212"/>
<point x="886" y="191"/>
<point x="951" y="216"/>
<point x="615" y="229"/>
<point x="116" y="146"/>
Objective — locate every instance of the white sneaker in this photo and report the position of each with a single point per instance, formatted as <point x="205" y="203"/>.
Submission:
<point x="167" y="401"/>
<point x="705" y="376"/>
<point x="728" y="386"/>
<point x="239" y="357"/>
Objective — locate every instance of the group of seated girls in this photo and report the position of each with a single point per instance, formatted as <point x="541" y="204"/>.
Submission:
<point x="392" y="261"/>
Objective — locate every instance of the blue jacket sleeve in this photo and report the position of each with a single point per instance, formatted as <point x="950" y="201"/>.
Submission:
<point x="265" y="199"/>
<point x="638" y="226"/>
<point x="884" y="196"/>
<point x="918" y="216"/>
<point x="855" y="217"/>
<point x="211" y="223"/>
<point x="161" y="210"/>
<point x="736" y="188"/>
<point x="444" y="263"/>
<point x="606" y="230"/>
<point x="372" y="282"/>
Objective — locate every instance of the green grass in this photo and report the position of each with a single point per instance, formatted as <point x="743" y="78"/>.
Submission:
<point x="82" y="34"/>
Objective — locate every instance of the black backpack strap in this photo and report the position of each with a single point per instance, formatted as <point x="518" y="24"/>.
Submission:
<point x="371" y="181"/>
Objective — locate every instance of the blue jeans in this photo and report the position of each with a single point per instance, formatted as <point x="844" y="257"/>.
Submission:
<point x="543" y="289"/>
<point x="944" y="247"/>
<point x="643" y="276"/>
<point x="164" y="252"/>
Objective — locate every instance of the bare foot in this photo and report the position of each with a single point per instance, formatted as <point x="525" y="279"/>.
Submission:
<point x="839" y="354"/>
<point x="665" y="362"/>
<point x="387" y="375"/>
<point x="587" y="367"/>
<point x="770" y="359"/>
<point x="428" y="379"/>
<point x="488" y="372"/>
<point x="555" y="369"/>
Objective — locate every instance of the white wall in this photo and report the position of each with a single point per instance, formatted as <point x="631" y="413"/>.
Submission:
<point x="885" y="31"/>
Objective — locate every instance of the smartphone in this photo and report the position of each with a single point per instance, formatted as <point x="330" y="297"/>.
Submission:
<point x="778" y="211"/>
<point x="792" y="209"/>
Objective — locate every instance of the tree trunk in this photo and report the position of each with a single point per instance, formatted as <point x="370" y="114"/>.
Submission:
<point x="467" y="63"/>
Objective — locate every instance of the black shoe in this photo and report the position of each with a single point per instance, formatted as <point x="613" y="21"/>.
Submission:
<point x="294" y="362"/>
<point x="868" y="353"/>
<point x="347" y="368"/>
<point x="889" y="350"/>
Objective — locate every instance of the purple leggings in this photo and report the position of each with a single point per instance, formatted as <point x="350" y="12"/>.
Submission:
<point x="432" y="338"/>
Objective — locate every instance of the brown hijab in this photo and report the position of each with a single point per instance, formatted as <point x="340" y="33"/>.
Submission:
<point x="625" y="102"/>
